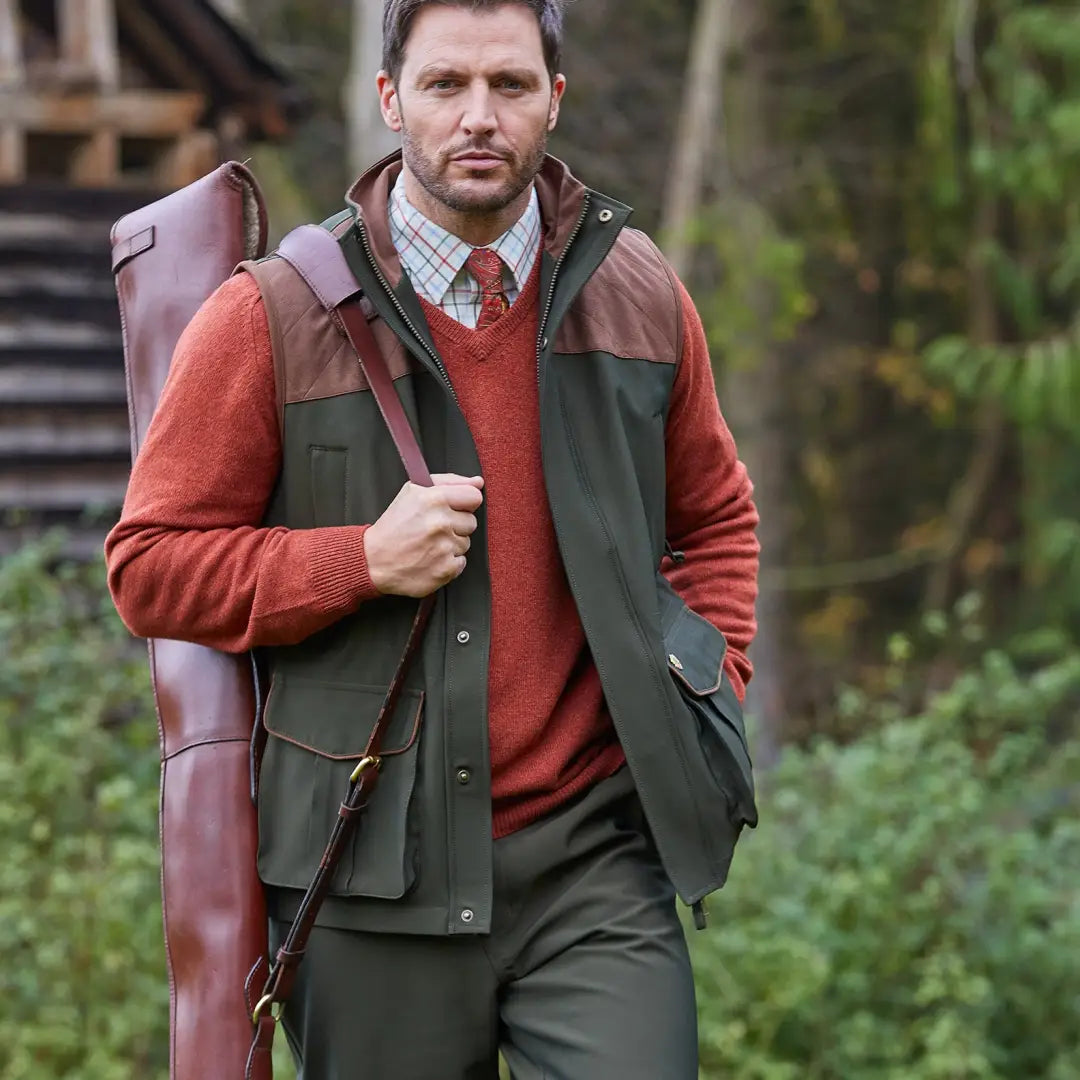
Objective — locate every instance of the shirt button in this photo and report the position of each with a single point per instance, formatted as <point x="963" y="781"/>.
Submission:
<point x="464" y="637"/>
<point x="464" y="776"/>
<point x="467" y="915"/>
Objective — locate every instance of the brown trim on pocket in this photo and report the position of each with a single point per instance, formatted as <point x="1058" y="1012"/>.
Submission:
<point x="413" y="736"/>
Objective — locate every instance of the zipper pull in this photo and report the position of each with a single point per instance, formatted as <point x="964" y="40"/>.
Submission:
<point x="677" y="557"/>
<point x="701" y="915"/>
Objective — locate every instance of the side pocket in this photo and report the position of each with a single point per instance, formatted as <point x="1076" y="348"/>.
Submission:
<point x="696" y="651"/>
<point x="316" y="733"/>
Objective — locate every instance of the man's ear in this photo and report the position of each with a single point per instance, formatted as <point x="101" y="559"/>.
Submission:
<point x="388" y="101"/>
<point x="558" y="88"/>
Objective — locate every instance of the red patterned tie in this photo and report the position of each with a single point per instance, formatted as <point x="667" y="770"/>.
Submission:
<point x="486" y="267"/>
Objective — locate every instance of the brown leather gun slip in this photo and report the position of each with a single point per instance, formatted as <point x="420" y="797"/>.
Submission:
<point x="215" y="915"/>
<point x="215" y="911"/>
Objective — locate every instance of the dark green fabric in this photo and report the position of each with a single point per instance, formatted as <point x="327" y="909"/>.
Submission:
<point x="585" y="975"/>
<point x="602" y="420"/>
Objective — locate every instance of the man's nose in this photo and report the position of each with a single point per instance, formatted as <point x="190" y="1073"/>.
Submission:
<point x="479" y="116"/>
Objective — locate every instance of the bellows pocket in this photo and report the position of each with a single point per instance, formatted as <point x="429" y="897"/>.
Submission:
<point x="696" y="651"/>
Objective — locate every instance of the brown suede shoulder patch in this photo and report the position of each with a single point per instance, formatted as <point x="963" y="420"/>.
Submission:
<point x="312" y="356"/>
<point x="631" y="307"/>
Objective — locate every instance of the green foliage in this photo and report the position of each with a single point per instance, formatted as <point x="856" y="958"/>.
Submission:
<point x="907" y="910"/>
<point x="83" y="991"/>
<point x="909" y="907"/>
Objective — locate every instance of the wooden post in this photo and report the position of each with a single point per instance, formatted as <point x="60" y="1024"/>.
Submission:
<point x="97" y="161"/>
<point x="87" y="33"/>
<point x="12" y="138"/>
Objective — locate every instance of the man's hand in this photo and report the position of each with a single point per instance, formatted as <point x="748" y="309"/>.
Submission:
<point x="420" y="542"/>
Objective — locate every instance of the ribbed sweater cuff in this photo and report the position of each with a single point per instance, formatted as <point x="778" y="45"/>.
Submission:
<point x="337" y="566"/>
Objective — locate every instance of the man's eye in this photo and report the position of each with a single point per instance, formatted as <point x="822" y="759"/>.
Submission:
<point x="442" y="84"/>
<point x="513" y="85"/>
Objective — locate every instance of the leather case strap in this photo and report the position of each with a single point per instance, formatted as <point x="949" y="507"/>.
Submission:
<point x="318" y="259"/>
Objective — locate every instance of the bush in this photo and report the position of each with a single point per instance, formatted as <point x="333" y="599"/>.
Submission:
<point x="83" y="991"/>
<point x="908" y="910"/>
<point x="909" y="907"/>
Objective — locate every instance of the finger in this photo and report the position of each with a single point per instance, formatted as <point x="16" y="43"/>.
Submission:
<point x="462" y="544"/>
<point x="458" y="568"/>
<point x="462" y="498"/>
<point x="454" y="480"/>
<point x="462" y="524"/>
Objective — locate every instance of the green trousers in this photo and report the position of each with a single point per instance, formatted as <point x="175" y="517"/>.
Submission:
<point x="585" y="975"/>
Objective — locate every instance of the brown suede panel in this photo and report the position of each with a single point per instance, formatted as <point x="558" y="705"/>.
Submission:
<point x="631" y="307"/>
<point x="317" y="359"/>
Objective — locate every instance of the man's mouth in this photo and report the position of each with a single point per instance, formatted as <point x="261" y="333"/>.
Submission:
<point x="479" y="160"/>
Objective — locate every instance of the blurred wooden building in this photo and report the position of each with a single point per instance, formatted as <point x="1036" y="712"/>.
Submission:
<point x="104" y="105"/>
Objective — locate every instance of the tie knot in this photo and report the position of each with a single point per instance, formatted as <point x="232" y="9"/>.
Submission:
<point x="486" y="266"/>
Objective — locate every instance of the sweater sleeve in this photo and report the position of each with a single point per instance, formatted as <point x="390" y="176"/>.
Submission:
<point x="710" y="510"/>
<point x="188" y="558"/>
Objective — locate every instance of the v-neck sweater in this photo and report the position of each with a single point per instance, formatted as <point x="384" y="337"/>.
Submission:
<point x="550" y="733"/>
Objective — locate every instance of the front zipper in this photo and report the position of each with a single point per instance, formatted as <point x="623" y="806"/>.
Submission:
<point x="401" y="311"/>
<point x="554" y="280"/>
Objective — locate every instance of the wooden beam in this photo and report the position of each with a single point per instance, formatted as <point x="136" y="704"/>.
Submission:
<point x="148" y="113"/>
<point x="12" y="155"/>
<point x="11" y="59"/>
<point x="97" y="161"/>
<point x="191" y="156"/>
<point x="87" y="32"/>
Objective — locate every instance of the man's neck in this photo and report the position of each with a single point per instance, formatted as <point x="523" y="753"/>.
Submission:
<point x="477" y="229"/>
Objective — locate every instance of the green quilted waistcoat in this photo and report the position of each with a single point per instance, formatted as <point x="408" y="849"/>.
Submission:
<point x="608" y="349"/>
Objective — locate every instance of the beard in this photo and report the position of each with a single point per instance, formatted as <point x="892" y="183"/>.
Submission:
<point x="432" y="173"/>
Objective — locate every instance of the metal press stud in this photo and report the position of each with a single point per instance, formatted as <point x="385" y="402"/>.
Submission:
<point x="605" y="216"/>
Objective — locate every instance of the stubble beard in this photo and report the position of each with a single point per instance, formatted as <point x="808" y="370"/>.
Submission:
<point x="432" y="175"/>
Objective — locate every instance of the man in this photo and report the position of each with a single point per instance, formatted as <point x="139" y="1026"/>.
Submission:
<point x="546" y="791"/>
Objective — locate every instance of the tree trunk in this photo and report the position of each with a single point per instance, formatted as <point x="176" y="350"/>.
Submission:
<point x="698" y="122"/>
<point x="369" y="138"/>
<point x="752" y="397"/>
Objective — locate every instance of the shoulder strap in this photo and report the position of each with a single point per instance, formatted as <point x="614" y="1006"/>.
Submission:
<point x="318" y="259"/>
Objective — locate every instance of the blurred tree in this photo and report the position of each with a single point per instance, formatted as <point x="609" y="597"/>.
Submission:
<point x="369" y="137"/>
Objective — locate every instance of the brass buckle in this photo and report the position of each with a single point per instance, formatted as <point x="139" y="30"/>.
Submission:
<point x="276" y="1009"/>
<point x="364" y="766"/>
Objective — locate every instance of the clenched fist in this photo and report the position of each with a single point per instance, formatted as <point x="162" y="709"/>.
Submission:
<point x="420" y="542"/>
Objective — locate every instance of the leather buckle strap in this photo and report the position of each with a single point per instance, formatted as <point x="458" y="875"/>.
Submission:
<point x="318" y="259"/>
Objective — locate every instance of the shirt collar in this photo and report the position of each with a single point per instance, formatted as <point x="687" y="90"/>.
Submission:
<point x="433" y="257"/>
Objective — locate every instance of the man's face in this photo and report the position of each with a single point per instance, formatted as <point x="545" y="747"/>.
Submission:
<point x="474" y="104"/>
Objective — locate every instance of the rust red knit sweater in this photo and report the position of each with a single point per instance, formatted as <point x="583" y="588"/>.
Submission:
<point x="189" y="559"/>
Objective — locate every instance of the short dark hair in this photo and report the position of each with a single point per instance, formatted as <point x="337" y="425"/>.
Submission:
<point x="399" y="14"/>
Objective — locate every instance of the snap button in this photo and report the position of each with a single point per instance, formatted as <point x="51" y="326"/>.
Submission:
<point x="464" y="637"/>
<point x="467" y="915"/>
<point x="605" y="216"/>
<point x="675" y="662"/>
<point x="464" y="776"/>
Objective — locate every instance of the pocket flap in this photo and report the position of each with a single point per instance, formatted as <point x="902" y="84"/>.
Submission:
<point x="335" y="719"/>
<point x="696" y="651"/>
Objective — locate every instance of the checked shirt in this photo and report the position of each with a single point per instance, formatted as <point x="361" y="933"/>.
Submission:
<point x="435" y="259"/>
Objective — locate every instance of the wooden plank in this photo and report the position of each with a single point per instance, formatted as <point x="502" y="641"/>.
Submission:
<point x="59" y="387"/>
<point x="63" y="487"/>
<point x="87" y="32"/>
<point x="85" y="437"/>
<point x="146" y="113"/>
